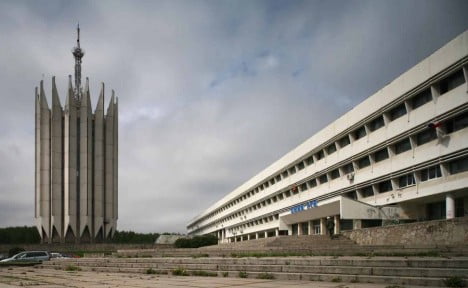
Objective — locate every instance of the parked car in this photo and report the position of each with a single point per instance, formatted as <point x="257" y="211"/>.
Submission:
<point x="2" y="257"/>
<point x="28" y="256"/>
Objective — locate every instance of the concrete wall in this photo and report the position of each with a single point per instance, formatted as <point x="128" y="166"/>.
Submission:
<point x="431" y="233"/>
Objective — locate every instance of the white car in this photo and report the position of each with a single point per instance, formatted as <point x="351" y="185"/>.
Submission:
<point x="27" y="256"/>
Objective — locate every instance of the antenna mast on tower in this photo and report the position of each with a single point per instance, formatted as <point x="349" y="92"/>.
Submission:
<point x="78" y="53"/>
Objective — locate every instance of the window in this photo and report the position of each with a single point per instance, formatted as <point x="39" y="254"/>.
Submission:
<point x="334" y="174"/>
<point x="323" y="179"/>
<point x="430" y="173"/>
<point x="376" y="123"/>
<point x="457" y="123"/>
<point x="385" y="186"/>
<point x="278" y="178"/>
<point x="359" y="133"/>
<point x="421" y="99"/>
<point x="344" y="141"/>
<point x="458" y="165"/>
<point x="381" y="155"/>
<point x="331" y="149"/>
<point x="303" y="187"/>
<point x="406" y="180"/>
<point x="312" y="183"/>
<point x="285" y="174"/>
<point x="300" y="165"/>
<point x="320" y="154"/>
<point x="367" y="191"/>
<point x="348" y="168"/>
<point x="402" y="146"/>
<point x="292" y="170"/>
<point x="451" y="82"/>
<point x="309" y="160"/>
<point x="426" y="136"/>
<point x="272" y="181"/>
<point x="397" y="112"/>
<point x="363" y="162"/>
<point x="351" y="195"/>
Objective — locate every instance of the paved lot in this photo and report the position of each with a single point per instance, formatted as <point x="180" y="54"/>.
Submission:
<point x="32" y="276"/>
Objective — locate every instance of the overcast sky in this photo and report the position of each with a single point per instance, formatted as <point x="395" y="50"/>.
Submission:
<point x="210" y="92"/>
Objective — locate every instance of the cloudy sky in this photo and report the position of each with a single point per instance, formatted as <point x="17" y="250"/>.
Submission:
<point x="210" y="92"/>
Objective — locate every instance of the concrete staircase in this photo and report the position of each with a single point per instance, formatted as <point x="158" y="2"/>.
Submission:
<point x="427" y="271"/>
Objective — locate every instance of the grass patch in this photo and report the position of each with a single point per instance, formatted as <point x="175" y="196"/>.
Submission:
<point x="225" y="274"/>
<point x="71" y="268"/>
<point x="180" y="272"/>
<point x="336" y="280"/>
<point x="265" y="276"/>
<point x="204" y="274"/>
<point x="455" y="282"/>
<point x="243" y="274"/>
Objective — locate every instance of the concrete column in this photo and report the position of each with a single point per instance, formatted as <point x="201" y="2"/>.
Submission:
<point x="256" y="235"/>
<point x="311" y="227"/>
<point x="248" y="236"/>
<point x="299" y="229"/>
<point x="109" y="170"/>
<point x="323" y="226"/>
<point x="98" y="225"/>
<point x="266" y="234"/>
<point x="449" y="206"/>
<point x="337" y="224"/>
<point x="277" y="232"/>
<point x="357" y="224"/>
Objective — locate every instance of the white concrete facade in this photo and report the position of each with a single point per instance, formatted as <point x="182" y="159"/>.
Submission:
<point x="400" y="155"/>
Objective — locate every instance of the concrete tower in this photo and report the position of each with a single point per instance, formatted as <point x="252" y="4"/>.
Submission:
<point x="76" y="163"/>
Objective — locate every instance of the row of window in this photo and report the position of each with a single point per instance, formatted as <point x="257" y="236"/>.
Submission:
<point x="252" y="223"/>
<point x="450" y="82"/>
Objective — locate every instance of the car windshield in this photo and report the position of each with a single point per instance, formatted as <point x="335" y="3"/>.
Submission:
<point x="20" y="255"/>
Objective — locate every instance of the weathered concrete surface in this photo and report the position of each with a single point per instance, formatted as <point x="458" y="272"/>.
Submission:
<point x="30" y="276"/>
<point x="431" y="233"/>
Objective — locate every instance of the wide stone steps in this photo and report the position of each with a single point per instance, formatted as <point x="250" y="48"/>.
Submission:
<point x="392" y="270"/>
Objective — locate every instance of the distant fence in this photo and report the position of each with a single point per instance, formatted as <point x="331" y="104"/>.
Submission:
<point x="430" y="233"/>
<point x="78" y="247"/>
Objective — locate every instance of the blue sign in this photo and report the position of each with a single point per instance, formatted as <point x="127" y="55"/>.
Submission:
<point x="302" y="207"/>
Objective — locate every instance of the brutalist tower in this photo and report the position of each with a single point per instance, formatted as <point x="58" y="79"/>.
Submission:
<point x="76" y="163"/>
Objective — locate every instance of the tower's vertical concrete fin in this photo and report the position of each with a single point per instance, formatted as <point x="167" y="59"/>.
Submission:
<point x="116" y="157"/>
<point x="109" y="169"/>
<point x="70" y="162"/>
<point x="99" y="166"/>
<point x="37" y="175"/>
<point x="44" y="212"/>
<point x="56" y="161"/>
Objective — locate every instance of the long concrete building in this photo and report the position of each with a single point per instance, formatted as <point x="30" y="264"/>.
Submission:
<point x="76" y="163"/>
<point x="401" y="155"/>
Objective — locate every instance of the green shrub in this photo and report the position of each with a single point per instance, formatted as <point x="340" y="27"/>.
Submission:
<point x="225" y="274"/>
<point x="150" y="271"/>
<point x="72" y="268"/>
<point x="337" y="279"/>
<point x="265" y="276"/>
<point x="197" y="241"/>
<point x="243" y="274"/>
<point x="180" y="272"/>
<point x="455" y="282"/>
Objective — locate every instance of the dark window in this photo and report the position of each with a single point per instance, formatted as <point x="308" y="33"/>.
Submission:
<point x="300" y="166"/>
<point x="266" y="184"/>
<point x="385" y="186"/>
<point x="458" y="165"/>
<point x="348" y="168"/>
<point x="436" y="210"/>
<point x="344" y="141"/>
<point x="303" y="187"/>
<point x="426" y="136"/>
<point x="431" y="173"/>
<point x="397" y="112"/>
<point x="451" y="82"/>
<point x="312" y="183"/>
<point x="376" y="123"/>
<point x="406" y="180"/>
<point x="367" y="191"/>
<point x="285" y="174"/>
<point x="323" y="179"/>
<point x="278" y="178"/>
<point x="457" y="123"/>
<point x="351" y="195"/>
<point x="402" y="146"/>
<point x="421" y="99"/>
<point x="459" y="207"/>
<point x="363" y="162"/>
<point x="272" y="181"/>
<point x="331" y="149"/>
<point x="381" y="155"/>
<point x="359" y="133"/>
<point x="335" y="174"/>
<point x="320" y="154"/>
<point x="292" y="170"/>
<point x="309" y="160"/>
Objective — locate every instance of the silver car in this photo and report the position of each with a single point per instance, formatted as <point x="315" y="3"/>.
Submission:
<point x="28" y="256"/>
